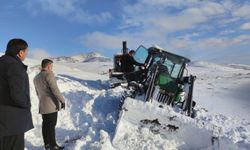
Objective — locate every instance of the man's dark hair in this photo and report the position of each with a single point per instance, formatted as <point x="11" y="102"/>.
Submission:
<point x="14" y="46"/>
<point x="46" y="62"/>
<point x="132" y="52"/>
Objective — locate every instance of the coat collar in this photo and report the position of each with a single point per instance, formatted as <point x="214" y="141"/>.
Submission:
<point x="18" y="60"/>
<point x="45" y="70"/>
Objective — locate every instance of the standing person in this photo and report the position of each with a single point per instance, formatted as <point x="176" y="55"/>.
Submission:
<point x="127" y="64"/>
<point x="50" y="102"/>
<point x="15" y="115"/>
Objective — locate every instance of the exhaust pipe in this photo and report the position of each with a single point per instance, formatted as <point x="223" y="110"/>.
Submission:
<point x="124" y="47"/>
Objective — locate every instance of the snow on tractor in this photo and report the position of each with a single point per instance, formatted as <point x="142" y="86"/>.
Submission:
<point x="164" y="79"/>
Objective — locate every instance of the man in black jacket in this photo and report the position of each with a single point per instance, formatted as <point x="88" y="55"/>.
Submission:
<point x="127" y="65"/>
<point x="128" y="62"/>
<point x="15" y="115"/>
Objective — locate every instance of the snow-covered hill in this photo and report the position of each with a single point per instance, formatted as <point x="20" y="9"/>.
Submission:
<point x="222" y="89"/>
<point x="89" y="57"/>
<point x="65" y="59"/>
<point x="240" y="66"/>
<point x="90" y="120"/>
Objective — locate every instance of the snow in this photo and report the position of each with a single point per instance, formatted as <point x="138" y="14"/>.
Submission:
<point x="92" y="120"/>
<point x="90" y="107"/>
<point x="222" y="89"/>
<point x="240" y="66"/>
<point x="97" y="67"/>
<point x="89" y="57"/>
<point x="175" y="131"/>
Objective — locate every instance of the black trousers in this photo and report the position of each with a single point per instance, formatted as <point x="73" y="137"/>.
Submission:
<point x="133" y="76"/>
<point x="15" y="142"/>
<point x="48" y="128"/>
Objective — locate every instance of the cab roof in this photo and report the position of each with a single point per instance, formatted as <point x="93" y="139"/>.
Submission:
<point x="173" y="57"/>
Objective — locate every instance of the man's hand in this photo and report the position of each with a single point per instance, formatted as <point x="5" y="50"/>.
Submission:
<point x="63" y="106"/>
<point x="57" y="107"/>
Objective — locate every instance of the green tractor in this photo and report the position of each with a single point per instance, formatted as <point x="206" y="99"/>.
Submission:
<point x="164" y="79"/>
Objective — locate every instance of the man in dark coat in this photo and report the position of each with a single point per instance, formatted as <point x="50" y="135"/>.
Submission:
<point x="15" y="105"/>
<point x="127" y="64"/>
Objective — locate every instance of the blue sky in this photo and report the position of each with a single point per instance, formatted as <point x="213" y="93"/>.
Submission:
<point x="202" y="30"/>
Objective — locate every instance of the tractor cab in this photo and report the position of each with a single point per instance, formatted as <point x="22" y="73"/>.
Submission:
<point x="174" y="63"/>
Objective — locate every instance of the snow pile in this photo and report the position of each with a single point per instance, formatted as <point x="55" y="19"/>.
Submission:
<point x="90" y="108"/>
<point x="100" y="68"/>
<point x="152" y="127"/>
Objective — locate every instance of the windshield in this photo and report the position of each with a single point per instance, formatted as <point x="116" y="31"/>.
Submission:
<point x="141" y="54"/>
<point x="176" y="70"/>
<point x="173" y="69"/>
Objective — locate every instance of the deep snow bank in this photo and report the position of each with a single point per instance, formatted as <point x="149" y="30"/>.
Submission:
<point x="91" y="108"/>
<point x="147" y="126"/>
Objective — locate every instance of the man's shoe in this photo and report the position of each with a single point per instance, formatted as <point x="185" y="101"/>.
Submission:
<point x="47" y="147"/>
<point x="57" y="147"/>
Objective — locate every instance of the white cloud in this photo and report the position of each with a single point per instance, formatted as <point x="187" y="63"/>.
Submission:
<point x="169" y="3"/>
<point x="154" y="22"/>
<point x="241" y="40"/>
<point x="228" y="21"/>
<point x="84" y="17"/>
<point x="71" y="9"/>
<point x="242" y="11"/>
<point x="209" y="43"/>
<point x="39" y="54"/>
<point x="245" y="26"/>
<point x="99" y="40"/>
<point x="59" y="7"/>
<point x="157" y="22"/>
<point x="226" y="32"/>
<point x="158" y="14"/>
<point x="190" y="35"/>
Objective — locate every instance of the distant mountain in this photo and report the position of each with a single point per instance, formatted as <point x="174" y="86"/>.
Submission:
<point x="240" y="66"/>
<point x="64" y="59"/>
<point x="212" y="65"/>
<point x="204" y="64"/>
<point x="89" y="57"/>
